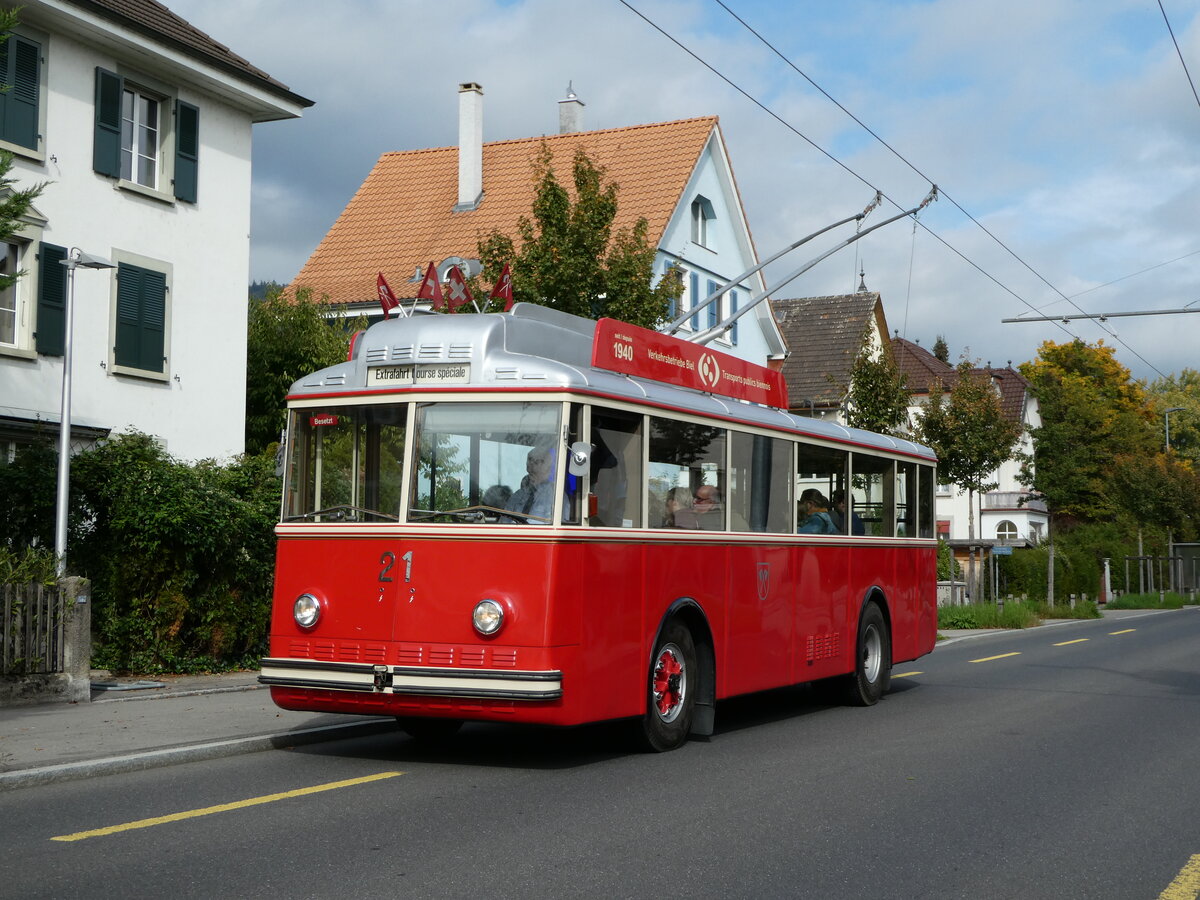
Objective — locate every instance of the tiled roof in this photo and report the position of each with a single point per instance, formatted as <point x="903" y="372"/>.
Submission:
<point x="156" y="21"/>
<point x="825" y="335"/>
<point x="402" y="215"/>
<point x="924" y="370"/>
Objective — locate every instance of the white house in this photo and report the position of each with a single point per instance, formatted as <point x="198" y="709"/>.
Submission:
<point x="422" y="206"/>
<point x="140" y="125"/>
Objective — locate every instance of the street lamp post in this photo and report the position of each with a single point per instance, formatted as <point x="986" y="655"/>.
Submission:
<point x="74" y="260"/>
<point x="1167" y="423"/>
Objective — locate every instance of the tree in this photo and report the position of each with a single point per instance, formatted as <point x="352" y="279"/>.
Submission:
<point x="1181" y="393"/>
<point x="286" y="339"/>
<point x="971" y="436"/>
<point x="569" y="258"/>
<point x="940" y="350"/>
<point x="878" y="397"/>
<point x="1092" y="412"/>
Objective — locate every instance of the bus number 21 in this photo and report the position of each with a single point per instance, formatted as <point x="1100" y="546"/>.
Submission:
<point x="388" y="559"/>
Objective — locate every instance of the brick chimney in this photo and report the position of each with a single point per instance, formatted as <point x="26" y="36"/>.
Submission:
<point x="470" y="146"/>
<point x="570" y="113"/>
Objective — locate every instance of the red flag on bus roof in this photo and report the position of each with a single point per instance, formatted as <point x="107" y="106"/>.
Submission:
<point x="457" y="290"/>
<point x="431" y="288"/>
<point x="503" y="289"/>
<point x="386" y="298"/>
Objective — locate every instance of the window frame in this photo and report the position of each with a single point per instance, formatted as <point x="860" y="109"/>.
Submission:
<point x="26" y="291"/>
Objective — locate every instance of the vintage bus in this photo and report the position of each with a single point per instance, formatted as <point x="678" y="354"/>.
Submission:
<point x="532" y="517"/>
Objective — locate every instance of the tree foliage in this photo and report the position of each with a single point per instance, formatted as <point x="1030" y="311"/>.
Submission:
<point x="1092" y="413"/>
<point x="941" y="350"/>
<point x="287" y="337"/>
<point x="878" y="397"/>
<point x="568" y="256"/>
<point x="1180" y="393"/>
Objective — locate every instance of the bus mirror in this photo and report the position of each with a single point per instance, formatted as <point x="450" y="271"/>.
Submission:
<point x="581" y="455"/>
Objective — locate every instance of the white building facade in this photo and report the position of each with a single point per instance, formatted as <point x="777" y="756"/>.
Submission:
<point x="140" y="126"/>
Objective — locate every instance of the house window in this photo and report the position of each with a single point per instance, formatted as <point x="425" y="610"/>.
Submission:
<point x="1006" y="531"/>
<point x="714" y="308"/>
<point x="702" y="216"/>
<point x="140" y="329"/>
<point x="139" y="138"/>
<point x="144" y="138"/>
<point x="944" y="488"/>
<point x="20" y="102"/>
<point x="943" y="529"/>
<point x="8" y="294"/>
<point x="694" y="298"/>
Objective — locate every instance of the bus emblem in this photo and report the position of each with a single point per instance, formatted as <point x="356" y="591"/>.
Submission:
<point x="708" y="370"/>
<point x="764" y="581"/>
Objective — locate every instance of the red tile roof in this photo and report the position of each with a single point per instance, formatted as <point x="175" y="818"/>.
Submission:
<point x="402" y="216"/>
<point x="924" y="370"/>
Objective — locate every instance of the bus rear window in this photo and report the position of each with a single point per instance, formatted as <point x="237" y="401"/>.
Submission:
<point x="344" y="464"/>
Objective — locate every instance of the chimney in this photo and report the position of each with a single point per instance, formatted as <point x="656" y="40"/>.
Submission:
<point x="470" y="146"/>
<point x="570" y="113"/>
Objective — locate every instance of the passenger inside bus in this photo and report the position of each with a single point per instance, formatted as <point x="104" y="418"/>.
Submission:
<point x="678" y="507"/>
<point x="816" y="514"/>
<point x="706" y="512"/>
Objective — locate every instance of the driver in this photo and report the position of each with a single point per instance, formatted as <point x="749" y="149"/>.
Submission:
<point x="535" y="496"/>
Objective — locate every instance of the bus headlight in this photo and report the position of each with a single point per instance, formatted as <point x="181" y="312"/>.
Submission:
<point x="307" y="610"/>
<point x="488" y="616"/>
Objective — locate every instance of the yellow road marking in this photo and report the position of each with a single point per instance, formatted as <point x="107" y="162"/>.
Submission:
<point x="223" y="807"/>
<point x="907" y="674"/>
<point x="1076" y="641"/>
<point x="1001" y="656"/>
<point x="1186" y="885"/>
<point x="1126" y="631"/>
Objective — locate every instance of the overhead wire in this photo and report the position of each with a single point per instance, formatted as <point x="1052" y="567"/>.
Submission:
<point x="828" y="155"/>
<point x="954" y="202"/>
<point x="1179" y="52"/>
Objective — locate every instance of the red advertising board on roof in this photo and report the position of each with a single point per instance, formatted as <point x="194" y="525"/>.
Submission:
<point x="630" y="350"/>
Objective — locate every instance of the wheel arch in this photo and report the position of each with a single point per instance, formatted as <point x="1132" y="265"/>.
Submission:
<point x="692" y="615"/>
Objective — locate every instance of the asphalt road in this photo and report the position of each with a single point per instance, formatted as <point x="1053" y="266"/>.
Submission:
<point x="1058" y="762"/>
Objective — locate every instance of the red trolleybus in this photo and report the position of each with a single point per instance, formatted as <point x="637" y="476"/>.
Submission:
<point x="531" y="517"/>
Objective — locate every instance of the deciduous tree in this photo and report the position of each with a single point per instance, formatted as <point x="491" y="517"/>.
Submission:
<point x="878" y="397"/>
<point x="566" y="255"/>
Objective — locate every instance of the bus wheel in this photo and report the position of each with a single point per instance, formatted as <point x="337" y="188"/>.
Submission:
<point x="429" y="730"/>
<point x="873" y="659"/>
<point x="671" y="693"/>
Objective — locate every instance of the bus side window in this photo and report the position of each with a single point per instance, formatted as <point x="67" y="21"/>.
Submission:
<point x="874" y="493"/>
<point x="760" y="484"/>
<point x="821" y="469"/>
<point x="616" y="469"/>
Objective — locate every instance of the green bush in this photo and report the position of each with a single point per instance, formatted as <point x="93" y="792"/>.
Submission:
<point x="1083" y="609"/>
<point x="1170" y="600"/>
<point x="987" y="615"/>
<point x="27" y="566"/>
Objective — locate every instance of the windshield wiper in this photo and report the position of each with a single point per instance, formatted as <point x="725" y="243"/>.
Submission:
<point x="343" y="512"/>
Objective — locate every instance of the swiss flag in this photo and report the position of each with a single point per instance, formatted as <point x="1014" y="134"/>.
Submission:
<point x="458" y="291"/>
<point x="386" y="298"/>
<point x="503" y="289"/>
<point x="431" y="288"/>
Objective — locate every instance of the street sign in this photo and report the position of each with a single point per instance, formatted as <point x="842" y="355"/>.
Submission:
<point x="1001" y="551"/>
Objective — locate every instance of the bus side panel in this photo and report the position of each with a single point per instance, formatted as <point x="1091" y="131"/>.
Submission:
<point x="914" y="610"/>
<point x="759" y="642"/>
<point x="820" y="595"/>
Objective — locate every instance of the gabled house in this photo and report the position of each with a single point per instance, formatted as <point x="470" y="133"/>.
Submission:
<point x="825" y="335"/>
<point x="140" y="124"/>
<point x="422" y="206"/>
<point x="1001" y="516"/>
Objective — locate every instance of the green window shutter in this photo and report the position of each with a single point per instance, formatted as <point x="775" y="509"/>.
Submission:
<point x="187" y="150"/>
<point x="20" y="68"/>
<point x="106" y="146"/>
<point x="141" y="318"/>
<point x="51" y="324"/>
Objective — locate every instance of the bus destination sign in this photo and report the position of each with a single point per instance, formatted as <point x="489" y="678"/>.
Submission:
<point x="439" y="373"/>
<point x="630" y="350"/>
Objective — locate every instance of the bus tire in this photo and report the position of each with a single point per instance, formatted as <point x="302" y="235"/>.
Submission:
<point x="671" y="691"/>
<point x="429" y="731"/>
<point x="872" y="659"/>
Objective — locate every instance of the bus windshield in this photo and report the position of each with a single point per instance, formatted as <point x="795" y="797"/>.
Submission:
<point x="486" y="462"/>
<point x="345" y="464"/>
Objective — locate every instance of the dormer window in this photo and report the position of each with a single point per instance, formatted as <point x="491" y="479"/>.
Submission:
<point x="702" y="215"/>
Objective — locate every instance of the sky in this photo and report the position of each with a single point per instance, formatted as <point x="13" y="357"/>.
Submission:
<point x="1064" y="136"/>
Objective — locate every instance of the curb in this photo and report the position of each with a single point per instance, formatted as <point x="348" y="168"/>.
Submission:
<point x="170" y="756"/>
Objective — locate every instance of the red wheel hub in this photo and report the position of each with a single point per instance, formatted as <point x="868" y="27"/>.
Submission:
<point x="668" y="679"/>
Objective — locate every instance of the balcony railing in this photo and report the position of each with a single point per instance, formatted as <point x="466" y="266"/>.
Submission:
<point x="1011" y="500"/>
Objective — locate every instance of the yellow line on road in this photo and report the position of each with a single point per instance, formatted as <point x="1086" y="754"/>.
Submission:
<point x="907" y="674"/>
<point x="1126" y="631"/>
<point x="1001" y="656"/>
<point x="223" y="807"/>
<point x="1076" y="641"/>
<point x="1186" y="885"/>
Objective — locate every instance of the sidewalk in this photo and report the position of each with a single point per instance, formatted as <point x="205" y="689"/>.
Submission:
<point x="142" y="724"/>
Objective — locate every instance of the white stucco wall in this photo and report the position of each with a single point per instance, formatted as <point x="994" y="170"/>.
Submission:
<point x="198" y="407"/>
